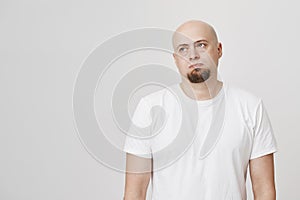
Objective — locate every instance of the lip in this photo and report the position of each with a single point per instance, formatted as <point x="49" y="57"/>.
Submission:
<point x="197" y="65"/>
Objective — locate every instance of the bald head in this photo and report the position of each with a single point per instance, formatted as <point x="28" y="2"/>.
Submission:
<point x="194" y="29"/>
<point x="196" y="44"/>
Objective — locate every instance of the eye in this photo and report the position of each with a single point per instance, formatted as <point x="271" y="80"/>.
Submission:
<point x="182" y="49"/>
<point x="201" y="45"/>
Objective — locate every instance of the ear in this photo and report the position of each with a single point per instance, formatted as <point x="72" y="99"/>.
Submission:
<point x="175" y="57"/>
<point x="220" y="50"/>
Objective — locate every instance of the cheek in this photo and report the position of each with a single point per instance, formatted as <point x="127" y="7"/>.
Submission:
<point x="211" y="58"/>
<point x="181" y="63"/>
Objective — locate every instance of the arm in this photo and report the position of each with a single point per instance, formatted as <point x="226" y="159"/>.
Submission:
<point x="262" y="177"/>
<point x="138" y="174"/>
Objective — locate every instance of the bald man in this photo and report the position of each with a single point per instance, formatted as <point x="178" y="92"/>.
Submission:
<point x="233" y="132"/>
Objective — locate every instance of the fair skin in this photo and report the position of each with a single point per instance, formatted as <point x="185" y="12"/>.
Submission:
<point x="138" y="175"/>
<point x="201" y="45"/>
<point x="262" y="177"/>
<point x="196" y="44"/>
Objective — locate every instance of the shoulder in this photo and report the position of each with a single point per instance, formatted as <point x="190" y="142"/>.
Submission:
<point x="242" y="97"/>
<point x="244" y="103"/>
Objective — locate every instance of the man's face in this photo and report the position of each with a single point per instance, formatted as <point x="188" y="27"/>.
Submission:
<point x="196" y="52"/>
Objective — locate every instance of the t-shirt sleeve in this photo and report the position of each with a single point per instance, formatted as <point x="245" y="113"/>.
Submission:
<point x="138" y="140"/>
<point x="264" y="141"/>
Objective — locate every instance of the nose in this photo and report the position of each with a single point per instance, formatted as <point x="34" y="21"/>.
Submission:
<point x="194" y="55"/>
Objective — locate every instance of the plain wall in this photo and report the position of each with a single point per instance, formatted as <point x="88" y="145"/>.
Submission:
<point x="42" y="47"/>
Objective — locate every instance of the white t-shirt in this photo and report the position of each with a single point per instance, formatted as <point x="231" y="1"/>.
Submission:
<point x="203" y="148"/>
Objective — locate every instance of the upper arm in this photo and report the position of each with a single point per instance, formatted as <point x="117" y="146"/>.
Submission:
<point x="138" y="174"/>
<point x="262" y="177"/>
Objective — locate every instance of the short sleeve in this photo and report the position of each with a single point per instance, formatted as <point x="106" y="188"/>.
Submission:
<point x="138" y="140"/>
<point x="264" y="141"/>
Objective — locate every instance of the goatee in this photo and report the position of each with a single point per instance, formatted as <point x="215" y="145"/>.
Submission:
<point x="198" y="75"/>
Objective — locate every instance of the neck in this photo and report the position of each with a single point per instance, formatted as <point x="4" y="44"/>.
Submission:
<point x="201" y="91"/>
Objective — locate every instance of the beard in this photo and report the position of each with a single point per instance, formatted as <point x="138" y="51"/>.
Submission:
<point x="198" y="75"/>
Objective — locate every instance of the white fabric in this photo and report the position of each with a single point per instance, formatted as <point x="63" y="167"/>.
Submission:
<point x="221" y="174"/>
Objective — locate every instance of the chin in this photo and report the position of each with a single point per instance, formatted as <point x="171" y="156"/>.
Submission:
<point x="196" y="77"/>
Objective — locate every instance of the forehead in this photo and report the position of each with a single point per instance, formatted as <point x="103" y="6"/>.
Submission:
<point x="190" y="34"/>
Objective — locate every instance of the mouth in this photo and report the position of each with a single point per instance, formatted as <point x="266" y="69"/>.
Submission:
<point x="195" y="66"/>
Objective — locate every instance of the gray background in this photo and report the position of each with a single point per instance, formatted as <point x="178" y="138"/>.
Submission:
<point x="43" y="44"/>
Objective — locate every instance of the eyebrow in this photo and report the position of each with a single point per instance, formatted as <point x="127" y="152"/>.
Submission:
<point x="202" y="40"/>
